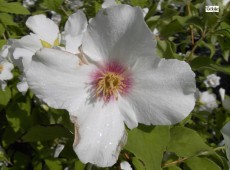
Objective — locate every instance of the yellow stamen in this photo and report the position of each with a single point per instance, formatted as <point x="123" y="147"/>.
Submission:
<point x="1" y="68"/>
<point x="110" y="84"/>
<point x="46" y="44"/>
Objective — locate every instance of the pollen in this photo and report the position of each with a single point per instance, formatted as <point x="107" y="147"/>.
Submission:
<point x="1" y="68"/>
<point x="109" y="85"/>
<point x="111" y="81"/>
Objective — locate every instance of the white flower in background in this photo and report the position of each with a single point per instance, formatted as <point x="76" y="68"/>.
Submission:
<point x="28" y="3"/>
<point x="226" y="134"/>
<point x="108" y="3"/>
<point x="122" y="82"/>
<point x="73" y="32"/>
<point x="5" y="67"/>
<point x="159" y="5"/>
<point x="212" y="80"/>
<point x="207" y="101"/>
<point x="56" y="17"/>
<point x="74" y="4"/>
<point x="45" y="34"/>
<point x="224" y="99"/>
<point x="125" y="166"/>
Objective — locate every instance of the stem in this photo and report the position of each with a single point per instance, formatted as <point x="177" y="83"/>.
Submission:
<point x="4" y="36"/>
<point x="180" y="160"/>
<point x="190" y="26"/>
<point x="63" y="9"/>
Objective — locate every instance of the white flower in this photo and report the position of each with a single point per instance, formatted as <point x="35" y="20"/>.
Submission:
<point x="212" y="80"/>
<point x="74" y="4"/>
<point x="56" y="17"/>
<point x="226" y="134"/>
<point x="108" y="3"/>
<point x="5" y="67"/>
<point x="122" y="81"/>
<point x="207" y="101"/>
<point x="28" y="3"/>
<point x="125" y="166"/>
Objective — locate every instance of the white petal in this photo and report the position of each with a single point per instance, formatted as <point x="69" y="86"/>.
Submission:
<point x="22" y="58"/>
<point x="226" y="133"/>
<point x="125" y="166"/>
<point x="162" y="92"/>
<point x="222" y="94"/>
<point x="108" y="3"/>
<point x="23" y="85"/>
<point x="102" y="134"/>
<point x="44" y="27"/>
<point x="118" y="33"/>
<point x="6" y="74"/>
<point x="127" y="112"/>
<point x="30" y="42"/>
<point x="57" y="78"/>
<point x="4" y="51"/>
<point x="3" y="85"/>
<point x="74" y="28"/>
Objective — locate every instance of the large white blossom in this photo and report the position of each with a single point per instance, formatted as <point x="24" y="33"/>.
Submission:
<point x="207" y="101"/>
<point x="212" y="80"/>
<point x="118" y="81"/>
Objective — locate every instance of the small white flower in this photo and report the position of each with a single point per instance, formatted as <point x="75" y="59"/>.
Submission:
<point x="56" y="17"/>
<point x="226" y="134"/>
<point x="125" y="166"/>
<point x="5" y="67"/>
<point x="28" y="3"/>
<point x="212" y="80"/>
<point x="207" y="101"/>
<point x="108" y="3"/>
<point x="122" y="81"/>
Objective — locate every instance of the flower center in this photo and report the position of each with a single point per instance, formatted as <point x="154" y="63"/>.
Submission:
<point x="110" y="81"/>
<point x="109" y="85"/>
<point x="1" y="68"/>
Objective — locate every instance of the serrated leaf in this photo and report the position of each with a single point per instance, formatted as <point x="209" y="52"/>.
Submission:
<point x="43" y="133"/>
<point x="197" y="163"/>
<point x="188" y="139"/>
<point x="148" y="144"/>
<point x="13" y="7"/>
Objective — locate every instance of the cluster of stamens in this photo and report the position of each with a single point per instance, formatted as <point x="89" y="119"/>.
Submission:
<point x="110" y="84"/>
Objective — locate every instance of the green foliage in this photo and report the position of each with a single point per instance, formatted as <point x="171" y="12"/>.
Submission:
<point x="13" y="7"/>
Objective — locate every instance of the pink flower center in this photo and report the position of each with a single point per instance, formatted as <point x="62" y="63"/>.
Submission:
<point x="111" y="80"/>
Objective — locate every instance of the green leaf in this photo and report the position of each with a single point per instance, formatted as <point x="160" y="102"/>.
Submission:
<point x="174" y="26"/>
<point x="78" y="165"/>
<point x="142" y="3"/>
<point x="186" y="142"/>
<point x="201" y="63"/>
<point x="53" y="5"/>
<point x="172" y="168"/>
<point x="197" y="163"/>
<point x="42" y="133"/>
<point x="138" y="164"/>
<point x="2" y="29"/>
<point x="53" y="164"/>
<point x="7" y="19"/>
<point x="148" y="144"/>
<point x="13" y="7"/>
<point x="5" y="97"/>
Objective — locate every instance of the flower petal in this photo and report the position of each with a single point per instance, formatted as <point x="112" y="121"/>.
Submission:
<point x="102" y="134"/>
<point x="44" y="27"/>
<point x="163" y="91"/>
<point x="118" y="33"/>
<point x="57" y="78"/>
<point x="74" y="28"/>
<point x="226" y="133"/>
